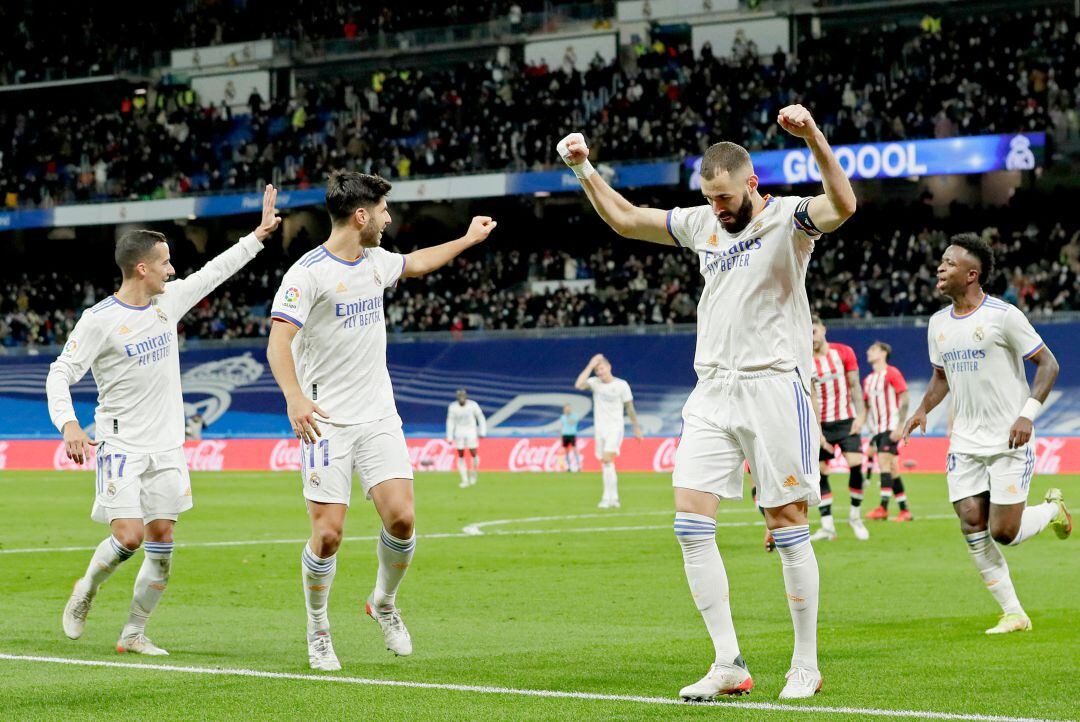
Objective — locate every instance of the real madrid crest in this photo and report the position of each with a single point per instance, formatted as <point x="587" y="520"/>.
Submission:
<point x="314" y="480"/>
<point x="978" y="333"/>
<point x="111" y="489"/>
<point x="161" y="315"/>
<point x="375" y="272"/>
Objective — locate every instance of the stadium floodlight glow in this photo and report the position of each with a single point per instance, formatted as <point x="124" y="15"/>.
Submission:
<point x="907" y="159"/>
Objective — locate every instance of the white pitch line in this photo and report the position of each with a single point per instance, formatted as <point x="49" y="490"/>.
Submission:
<point x="477" y="528"/>
<point x="440" y="535"/>
<point x="513" y="691"/>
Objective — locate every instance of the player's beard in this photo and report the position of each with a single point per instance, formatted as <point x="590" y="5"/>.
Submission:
<point x="742" y="216"/>
<point x="370" y="236"/>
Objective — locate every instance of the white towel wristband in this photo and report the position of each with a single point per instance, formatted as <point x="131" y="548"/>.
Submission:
<point x="1032" y="409"/>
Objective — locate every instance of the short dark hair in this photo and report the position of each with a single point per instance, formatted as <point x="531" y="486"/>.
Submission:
<point x="979" y="248"/>
<point x="816" y="320"/>
<point x="348" y="190"/>
<point x="133" y="248"/>
<point x="724" y="157"/>
<point x="884" y="347"/>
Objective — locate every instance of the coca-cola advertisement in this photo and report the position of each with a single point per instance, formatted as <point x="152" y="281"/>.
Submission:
<point x="1054" y="455"/>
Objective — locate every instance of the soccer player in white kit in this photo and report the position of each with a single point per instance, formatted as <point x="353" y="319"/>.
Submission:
<point x="611" y="397"/>
<point x="465" y="426"/>
<point x="327" y="350"/>
<point x="978" y="346"/>
<point x="129" y="343"/>
<point x="753" y="360"/>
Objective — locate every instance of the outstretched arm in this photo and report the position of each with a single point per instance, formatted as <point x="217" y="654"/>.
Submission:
<point x="181" y="295"/>
<point x="828" y="211"/>
<point x="626" y="219"/>
<point x="426" y="260"/>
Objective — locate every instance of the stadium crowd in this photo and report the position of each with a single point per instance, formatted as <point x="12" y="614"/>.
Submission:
<point x="126" y="35"/>
<point x="865" y="270"/>
<point x="976" y="74"/>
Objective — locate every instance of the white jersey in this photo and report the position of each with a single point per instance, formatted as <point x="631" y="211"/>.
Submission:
<point x="753" y="314"/>
<point x="465" y="420"/>
<point x="982" y="353"/>
<point x="133" y="354"/>
<point x="609" y="403"/>
<point x="340" y="350"/>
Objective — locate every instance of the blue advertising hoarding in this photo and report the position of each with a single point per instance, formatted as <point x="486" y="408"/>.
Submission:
<point x="521" y="383"/>
<point x="902" y="159"/>
<point x="630" y="175"/>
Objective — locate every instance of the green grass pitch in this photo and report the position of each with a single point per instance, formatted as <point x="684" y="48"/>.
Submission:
<point x="558" y="596"/>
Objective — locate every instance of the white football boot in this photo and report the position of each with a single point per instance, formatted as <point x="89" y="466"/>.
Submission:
<point x="137" y="643"/>
<point x="396" y="635"/>
<point x="320" y="652"/>
<point x="801" y="683"/>
<point x="75" y="611"/>
<point x="722" y="680"/>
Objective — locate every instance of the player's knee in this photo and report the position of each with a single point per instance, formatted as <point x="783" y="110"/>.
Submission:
<point x="1004" y="533"/>
<point x="401" y="523"/>
<point x="328" y="539"/>
<point x="130" y="539"/>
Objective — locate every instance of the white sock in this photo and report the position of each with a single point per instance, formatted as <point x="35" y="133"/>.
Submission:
<point x="708" y="581"/>
<point x="394" y="558"/>
<point x="801" y="584"/>
<point x="463" y="470"/>
<point x="149" y="584"/>
<point x="1035" y="519"/>
<point x="854" y="513"/>
<point x="317" y="574"/>
<point x="475" y="469"/>
<point x="995" y="572"/>
<point x="828" y="523"/>
<point x="611" y="482"/>
<point x="108" y="556"/>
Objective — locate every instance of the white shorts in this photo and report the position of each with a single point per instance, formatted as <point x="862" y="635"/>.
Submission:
<point x="466" y="441"/>
<point x="1007" y="476"/>
<point x="764" y="418"/>
<point x="375" y="451"/>
<point x="608" y="441"/>
<point x="140" y="486"/>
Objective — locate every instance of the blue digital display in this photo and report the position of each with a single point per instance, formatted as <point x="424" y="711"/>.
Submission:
<point x="902" y="159"/>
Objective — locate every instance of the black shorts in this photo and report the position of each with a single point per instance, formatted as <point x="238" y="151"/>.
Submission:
<point x="885" y="444"/>
<point x="838" y="433"/>
<point x="569" y="441"/>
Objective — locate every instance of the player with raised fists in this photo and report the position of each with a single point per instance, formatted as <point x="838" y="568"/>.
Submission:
<point x="752" y="400"/>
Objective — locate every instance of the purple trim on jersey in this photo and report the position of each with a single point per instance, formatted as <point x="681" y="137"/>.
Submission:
<point x="286" y="317"/>
<point x="110" y="301"/>
<point x="342" y="261"/>
<point x="311" y="254"/>
<point x="314" y="257"/>
<point x="133" y="308"/>
<point x="667" y="223"/>
<point x="1035" y="350"/>
<point x="952" y="310"/>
